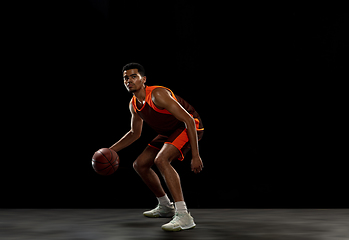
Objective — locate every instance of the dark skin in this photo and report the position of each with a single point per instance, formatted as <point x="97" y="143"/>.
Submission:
<point x="162" y="99"/>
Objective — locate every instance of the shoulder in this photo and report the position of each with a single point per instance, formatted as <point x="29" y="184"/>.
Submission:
<point x="161" y="97"/>
<point x="131" y="101"/>
<point x="131" y="105"/>
<point x="160" y="93"/>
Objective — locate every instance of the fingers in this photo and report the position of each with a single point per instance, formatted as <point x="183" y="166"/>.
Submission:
<point x="197" y="170"/>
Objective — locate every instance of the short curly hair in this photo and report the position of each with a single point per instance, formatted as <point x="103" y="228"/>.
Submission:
<point x="134" y="66"/>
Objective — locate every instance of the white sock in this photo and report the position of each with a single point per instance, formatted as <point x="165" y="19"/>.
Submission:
<point x="181" y="207"/>
<point x="164" y="201"/>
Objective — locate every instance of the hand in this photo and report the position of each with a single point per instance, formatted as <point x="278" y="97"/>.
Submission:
<point x="196" y="164"/>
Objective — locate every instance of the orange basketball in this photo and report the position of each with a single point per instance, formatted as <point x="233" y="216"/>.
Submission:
<point x="105" y="161"/>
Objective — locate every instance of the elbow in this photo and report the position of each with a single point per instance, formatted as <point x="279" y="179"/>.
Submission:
<point x="190" y="121"/>
<point x="135" y="135"/>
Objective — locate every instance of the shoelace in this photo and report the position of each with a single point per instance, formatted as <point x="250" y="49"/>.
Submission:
<point x="174" y="218"/>
<point x="160" y="207"/>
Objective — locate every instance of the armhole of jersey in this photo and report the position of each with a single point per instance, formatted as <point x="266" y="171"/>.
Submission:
<point x="133" y="104"/>
<point x="152" y="105"/>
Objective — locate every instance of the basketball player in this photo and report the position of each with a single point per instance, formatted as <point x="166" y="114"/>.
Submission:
<point x="179" y="129"/>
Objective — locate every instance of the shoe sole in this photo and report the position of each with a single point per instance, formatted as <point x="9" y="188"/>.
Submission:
<point x="178" y="229"/>
<point x="158" y="216"/>
<point x="151" y="216"/>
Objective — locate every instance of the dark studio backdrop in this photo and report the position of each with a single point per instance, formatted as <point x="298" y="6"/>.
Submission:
<point x="266" y="82"/>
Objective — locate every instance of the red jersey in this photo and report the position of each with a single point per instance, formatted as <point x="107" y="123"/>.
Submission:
<point x="161" y="120"/>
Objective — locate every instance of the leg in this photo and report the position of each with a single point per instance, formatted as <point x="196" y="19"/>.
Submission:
<point x="163" y="161"/>
<point x="143" y="164"/>
<point x="182" y="219"/>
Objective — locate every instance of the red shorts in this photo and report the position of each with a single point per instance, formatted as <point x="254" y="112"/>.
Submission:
<point x="179" y="139"/>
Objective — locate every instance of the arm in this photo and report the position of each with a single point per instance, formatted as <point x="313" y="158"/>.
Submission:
<point x="163" y="99"/>
<point x="133" y="134"/>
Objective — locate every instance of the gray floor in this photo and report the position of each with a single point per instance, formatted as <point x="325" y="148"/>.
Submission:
<point x="242" y="224"/>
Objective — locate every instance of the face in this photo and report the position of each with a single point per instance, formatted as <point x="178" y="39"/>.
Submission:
<point x="133" y="80"/>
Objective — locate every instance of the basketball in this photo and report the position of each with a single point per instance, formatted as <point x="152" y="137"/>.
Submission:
<point x="105" y="161"/>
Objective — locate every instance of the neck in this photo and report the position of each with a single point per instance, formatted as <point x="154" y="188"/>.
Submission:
<point x="140" y="94"/>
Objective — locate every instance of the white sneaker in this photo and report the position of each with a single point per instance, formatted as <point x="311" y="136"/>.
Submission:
<point x="161" y="211"/>
<point x="180" y="221"/>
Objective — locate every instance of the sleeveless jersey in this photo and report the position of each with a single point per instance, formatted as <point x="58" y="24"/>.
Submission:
<point x="161" y="120"/>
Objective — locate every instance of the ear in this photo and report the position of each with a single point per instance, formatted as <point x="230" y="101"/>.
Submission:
<point x="144" y="79"/>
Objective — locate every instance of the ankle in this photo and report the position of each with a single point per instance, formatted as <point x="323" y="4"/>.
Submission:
<point x="164" y="201"/>
<point x="181" y="207"/>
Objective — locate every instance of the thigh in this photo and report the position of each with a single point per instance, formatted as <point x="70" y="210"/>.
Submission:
<point x="179" y="140"/>
<point x="169" y="153"/>
<point x="146" y="158"/>
<point x="158" y="142"/>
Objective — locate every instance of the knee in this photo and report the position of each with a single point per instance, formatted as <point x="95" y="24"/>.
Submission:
<point x="139" y="167"/>
<point x="160" y="161"/>
<point x="136" y="165"/>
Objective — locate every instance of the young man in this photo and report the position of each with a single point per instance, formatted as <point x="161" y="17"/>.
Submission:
<point x="179" y="127"/>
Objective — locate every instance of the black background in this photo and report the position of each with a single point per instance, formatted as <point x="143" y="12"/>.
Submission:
<point x="266" y="80"/>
